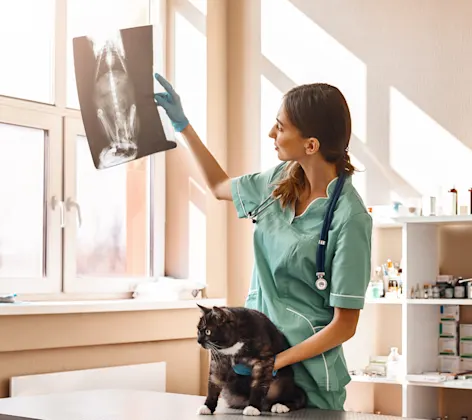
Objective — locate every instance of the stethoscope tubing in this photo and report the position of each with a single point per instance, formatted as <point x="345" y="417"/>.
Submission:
<point x="321" y="283"/>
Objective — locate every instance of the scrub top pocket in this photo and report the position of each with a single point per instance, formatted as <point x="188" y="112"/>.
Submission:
<point x="315" y="373"/>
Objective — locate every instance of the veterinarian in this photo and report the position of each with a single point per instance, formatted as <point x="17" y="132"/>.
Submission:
<point x="311" y="285"/>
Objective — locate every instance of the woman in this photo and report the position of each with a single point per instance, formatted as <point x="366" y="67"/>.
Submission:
<point x="289" y="204"/>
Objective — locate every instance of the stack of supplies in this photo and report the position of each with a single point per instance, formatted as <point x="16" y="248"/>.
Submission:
<point x="448" y="346"/>
<point x="465" y="347"/>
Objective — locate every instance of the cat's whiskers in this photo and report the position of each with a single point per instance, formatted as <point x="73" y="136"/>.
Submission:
<point x="215" y="346"/>
<point x="216" y="355"/>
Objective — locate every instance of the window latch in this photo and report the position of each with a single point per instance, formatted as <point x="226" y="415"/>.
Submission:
<point x="71" y="203"/>
<point x="59" y="203"/>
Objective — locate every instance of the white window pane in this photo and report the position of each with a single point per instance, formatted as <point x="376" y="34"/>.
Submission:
<point x="113" y="240"/>
<point x="97" y="18"/>
<point x="26" y="48"/>
<point x="22" y="238"/>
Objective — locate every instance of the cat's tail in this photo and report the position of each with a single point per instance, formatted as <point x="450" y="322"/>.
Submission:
<point x="287" y="394"/>
<point x="299" y="399"/>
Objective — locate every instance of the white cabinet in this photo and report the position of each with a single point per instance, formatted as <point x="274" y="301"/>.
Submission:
<point x="427" y="246"/>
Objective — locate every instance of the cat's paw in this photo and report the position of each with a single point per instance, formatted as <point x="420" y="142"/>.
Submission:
<point x="251" y="411"/>
<point x="279" y="408"/>
<point x="204" y="411"/>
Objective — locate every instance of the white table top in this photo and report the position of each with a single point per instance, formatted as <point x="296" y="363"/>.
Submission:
<point x="141" y="405"/>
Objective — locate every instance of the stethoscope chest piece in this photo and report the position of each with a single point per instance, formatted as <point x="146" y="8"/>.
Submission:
<point x="321" y="284"/>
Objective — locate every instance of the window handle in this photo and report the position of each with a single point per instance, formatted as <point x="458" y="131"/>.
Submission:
<point x="59" y="203"/>
<point x="71" y="203"/>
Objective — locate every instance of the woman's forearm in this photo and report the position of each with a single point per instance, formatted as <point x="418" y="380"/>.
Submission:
<point x="333" y="335"/>
<point x="216" y="178"/>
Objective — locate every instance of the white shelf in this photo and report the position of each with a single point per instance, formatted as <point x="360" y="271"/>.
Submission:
<point x="439" y="301"/>
<point x="437" y="220"/>
<point x="374" y="380"/>
<point x="456" y="384"/>
<point x="453" y="384"/>
<point x="384" y="301"/>
<point x="387" y="225"/>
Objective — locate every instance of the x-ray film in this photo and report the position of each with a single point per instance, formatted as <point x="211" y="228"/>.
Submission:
<point x="115" y="84"/>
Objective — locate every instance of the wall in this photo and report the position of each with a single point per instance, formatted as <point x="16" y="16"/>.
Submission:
<point x="54" y="343"/>
<point x="404" y="69"/>
<point x="195" y="241"/>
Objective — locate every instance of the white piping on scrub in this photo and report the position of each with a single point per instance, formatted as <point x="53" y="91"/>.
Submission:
<point x="318" y="198"/>
<point x="347" y="296"/>
<point x="314" y="332"/>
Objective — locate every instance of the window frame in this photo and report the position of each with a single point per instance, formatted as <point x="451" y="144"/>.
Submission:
<point x="52" y="126"/>
<point x="62" y="125"/>
<point x="74" y="127"/>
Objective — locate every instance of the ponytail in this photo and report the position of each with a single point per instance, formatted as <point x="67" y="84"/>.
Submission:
<point x="290" y="188"/>
<point x="344" y="164"/>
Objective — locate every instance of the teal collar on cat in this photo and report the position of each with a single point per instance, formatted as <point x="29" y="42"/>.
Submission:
<point x="245" y="370"/>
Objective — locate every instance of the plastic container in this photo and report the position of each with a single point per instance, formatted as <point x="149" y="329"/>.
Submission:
<point x="393" y="364"/>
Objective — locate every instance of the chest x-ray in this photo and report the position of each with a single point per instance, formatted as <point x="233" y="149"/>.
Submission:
<point x="115" y="86"/>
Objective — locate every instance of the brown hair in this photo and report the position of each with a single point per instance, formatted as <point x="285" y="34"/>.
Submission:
<point x="316" y="110"/>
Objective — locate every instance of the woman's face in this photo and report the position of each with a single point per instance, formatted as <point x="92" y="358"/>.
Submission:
<point x="288" y="141"/>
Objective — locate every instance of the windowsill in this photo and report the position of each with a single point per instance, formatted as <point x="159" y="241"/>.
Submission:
<point x="91" y="306"/>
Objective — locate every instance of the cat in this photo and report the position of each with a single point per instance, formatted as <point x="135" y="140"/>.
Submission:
<point x="236" y="336"/>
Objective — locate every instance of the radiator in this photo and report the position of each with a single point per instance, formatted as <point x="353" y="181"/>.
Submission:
<point x="143" y="377"/>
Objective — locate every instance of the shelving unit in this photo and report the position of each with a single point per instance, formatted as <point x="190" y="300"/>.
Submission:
<point x="427" y="246"/>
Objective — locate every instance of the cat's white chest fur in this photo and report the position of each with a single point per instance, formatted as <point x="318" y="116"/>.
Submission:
<point x="233" y="350"/>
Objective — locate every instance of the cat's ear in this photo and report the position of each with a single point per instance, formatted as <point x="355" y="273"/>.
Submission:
<point x="222" y="313"/>
<point x="204" y="309"/>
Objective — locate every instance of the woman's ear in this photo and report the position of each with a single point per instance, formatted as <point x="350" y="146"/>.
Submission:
<point x="312" y="145"/>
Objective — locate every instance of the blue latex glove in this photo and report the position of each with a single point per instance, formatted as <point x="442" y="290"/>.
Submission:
<point x="170" y="101"/>
<point x="245" y="370"/>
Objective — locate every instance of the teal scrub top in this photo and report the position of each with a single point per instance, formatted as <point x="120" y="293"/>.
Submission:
<point x="283" y="279"/>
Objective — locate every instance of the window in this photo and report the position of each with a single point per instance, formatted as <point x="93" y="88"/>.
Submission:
<point x="22" y="256"/>
<point x="65" y="226"/>
<point x="99" y="17"/>
<point x="27" y="45"/>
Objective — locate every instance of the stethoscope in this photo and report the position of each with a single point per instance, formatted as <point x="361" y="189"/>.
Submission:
<point x="321" y="283"/>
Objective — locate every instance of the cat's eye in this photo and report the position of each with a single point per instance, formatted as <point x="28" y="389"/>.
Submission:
<point x="207" y="332"/>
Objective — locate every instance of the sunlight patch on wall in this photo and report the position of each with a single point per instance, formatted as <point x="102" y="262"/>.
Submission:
<point x="306" y="53"/>
<point x="191" y="72"/>
<point x="359" y="178"/>
<point x="196" y="233"/>
<point x="270" y="102"/>
<point x="424" y="153"/>
<point x="201" y="5"/>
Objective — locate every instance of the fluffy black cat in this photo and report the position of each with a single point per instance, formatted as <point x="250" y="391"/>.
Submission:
<point x="246" y="336"/>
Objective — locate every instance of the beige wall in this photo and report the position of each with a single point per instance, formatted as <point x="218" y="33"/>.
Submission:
<point x="53" y="343"/>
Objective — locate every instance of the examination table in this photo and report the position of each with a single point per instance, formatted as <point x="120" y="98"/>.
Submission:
<point x="141" y="405"/>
